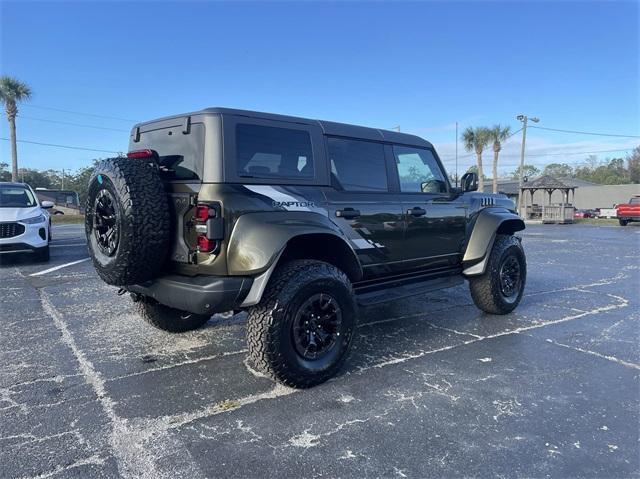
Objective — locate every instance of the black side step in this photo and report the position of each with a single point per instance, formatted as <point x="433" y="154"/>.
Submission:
<point x="398" y="290"/>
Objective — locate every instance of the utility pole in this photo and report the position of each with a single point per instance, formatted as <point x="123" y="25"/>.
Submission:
<point x="456" y="154"/>
<point x="524" y="119"/>
<point x="62" y="188"/>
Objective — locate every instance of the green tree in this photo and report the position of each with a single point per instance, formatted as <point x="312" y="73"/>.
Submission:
<point x="497" y="135"/>
<point x="13" y="91"/>
<point x="610" y="172"/>
<point x="474" y="169"/>
<point x="633" y="165"/>
<point x="5" y="174"/>
<point x="476" y="140"/>
<point x="558" y="170"/>
<point x="529" y="171"/>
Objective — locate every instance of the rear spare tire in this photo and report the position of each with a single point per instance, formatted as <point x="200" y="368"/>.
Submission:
<point x="127" y="221"/>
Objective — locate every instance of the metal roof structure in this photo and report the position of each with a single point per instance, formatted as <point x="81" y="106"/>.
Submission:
<point x="328" y="127"/>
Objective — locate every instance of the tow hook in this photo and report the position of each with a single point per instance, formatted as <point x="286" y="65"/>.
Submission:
<point x="121" y="291"/>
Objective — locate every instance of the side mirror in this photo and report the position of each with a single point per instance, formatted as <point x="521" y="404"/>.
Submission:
<point x="47" y="204"/>
<point x="469" y="181"/>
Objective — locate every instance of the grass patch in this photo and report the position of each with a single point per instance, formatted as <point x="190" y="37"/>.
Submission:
<point x="67" y="219"/>
<point x="595" y="221"/>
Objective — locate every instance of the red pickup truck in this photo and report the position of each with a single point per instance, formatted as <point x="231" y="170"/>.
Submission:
<point x="629" y="211"/>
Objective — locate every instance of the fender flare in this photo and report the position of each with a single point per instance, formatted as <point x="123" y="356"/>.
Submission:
<point x="488" y="224"/>
<point x="258" y="239"/>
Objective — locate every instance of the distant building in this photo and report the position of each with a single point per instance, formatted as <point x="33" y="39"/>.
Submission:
<point x="63" y="199"/>
<point x="587" y="195"/>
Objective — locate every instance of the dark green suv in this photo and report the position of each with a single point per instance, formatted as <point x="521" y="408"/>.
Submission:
<point x="297" y="222"/>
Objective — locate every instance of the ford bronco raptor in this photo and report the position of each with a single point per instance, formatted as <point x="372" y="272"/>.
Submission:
<point x="297" y="222"/>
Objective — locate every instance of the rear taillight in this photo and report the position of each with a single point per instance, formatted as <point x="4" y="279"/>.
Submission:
<point x="209" y="227"/>
<point x="141" y="154"/>
<point x="202" y="213"/>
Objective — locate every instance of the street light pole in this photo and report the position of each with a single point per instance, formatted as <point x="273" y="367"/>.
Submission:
<point x="524" y="119"/>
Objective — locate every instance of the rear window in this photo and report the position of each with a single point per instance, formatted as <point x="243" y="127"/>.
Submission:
<point x="271" y="152"/>
<point x="181" y="156"/>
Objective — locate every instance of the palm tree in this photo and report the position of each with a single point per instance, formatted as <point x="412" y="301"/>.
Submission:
<point x="13" y="91"/>
<point x="476" y="139"/>
<point x="497" y="135"/>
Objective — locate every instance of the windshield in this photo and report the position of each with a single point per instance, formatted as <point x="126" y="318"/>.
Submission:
<point x="16" y="197"/>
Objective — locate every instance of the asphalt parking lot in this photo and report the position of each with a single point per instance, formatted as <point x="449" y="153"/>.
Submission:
<point x="433" y="388"/>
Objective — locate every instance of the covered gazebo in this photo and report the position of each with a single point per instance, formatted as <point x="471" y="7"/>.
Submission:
<point x="549" y="213"/>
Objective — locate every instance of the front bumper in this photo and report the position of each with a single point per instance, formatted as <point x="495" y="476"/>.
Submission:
<point x="30" y="237"/>
<point x="198" y="294"/>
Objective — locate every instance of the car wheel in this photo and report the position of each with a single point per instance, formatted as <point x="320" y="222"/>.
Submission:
<point x="499" y="290"/>
<point x="623" y="222"/>
<point x="127" y="221"/>
<point x="168" y="319"/>
<point x="302" y="330"/>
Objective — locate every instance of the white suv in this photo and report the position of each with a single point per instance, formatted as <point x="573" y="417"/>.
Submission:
<point x="25" y="225"/>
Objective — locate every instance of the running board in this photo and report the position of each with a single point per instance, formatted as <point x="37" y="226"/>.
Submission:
<point x="399" y="290"/>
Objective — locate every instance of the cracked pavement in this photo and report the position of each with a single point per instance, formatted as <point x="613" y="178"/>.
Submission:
<point x="433" y="387"/>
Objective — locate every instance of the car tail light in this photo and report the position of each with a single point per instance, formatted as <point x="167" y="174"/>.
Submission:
<point x="141" y="154"/>
<point x="209" y="226"/>
<point x="202" y="213"/>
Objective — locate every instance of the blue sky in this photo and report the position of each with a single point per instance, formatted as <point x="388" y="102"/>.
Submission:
<point x="420" y="65"/>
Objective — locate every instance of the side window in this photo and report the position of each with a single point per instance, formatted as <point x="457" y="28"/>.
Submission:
<point x="270" y="152"/>
<point x="418" y="171"/>
<point x="357" y="165"/>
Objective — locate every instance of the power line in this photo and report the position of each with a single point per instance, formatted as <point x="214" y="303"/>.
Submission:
<point x="80" y="113"/>
<point x="71" y="124"/>
<point x="561" y="154"/>
<point x="62" y="146"/>
<point x="581" y="152"/>
<point x="585" y="132"/>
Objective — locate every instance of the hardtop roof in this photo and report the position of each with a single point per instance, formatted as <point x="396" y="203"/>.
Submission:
<point x="328" y="127"/>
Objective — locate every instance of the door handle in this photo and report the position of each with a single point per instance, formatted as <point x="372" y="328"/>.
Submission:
<point x="416" y="211"/>
<point x="348" y="213"/>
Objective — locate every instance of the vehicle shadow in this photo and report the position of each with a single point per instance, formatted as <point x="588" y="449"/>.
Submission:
<point x="19" y="259"/>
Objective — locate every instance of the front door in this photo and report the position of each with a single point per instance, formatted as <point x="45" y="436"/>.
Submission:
<point x="435" y="225"/>
<point x="361" y="204"/>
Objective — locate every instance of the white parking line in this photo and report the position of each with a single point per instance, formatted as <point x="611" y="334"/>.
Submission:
<point x="56" y="268"/>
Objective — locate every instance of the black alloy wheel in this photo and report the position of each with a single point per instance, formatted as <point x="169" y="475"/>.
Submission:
<point x="316" y="327"/>
<point x="106" y="222"/>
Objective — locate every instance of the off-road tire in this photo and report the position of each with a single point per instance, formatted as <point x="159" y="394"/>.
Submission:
<point x="270" y="323"/>
<point x="486" y="289"/>
<point x="623" y="222"/>
<point x="168" y="319"/>
<point x="142" y="219"/>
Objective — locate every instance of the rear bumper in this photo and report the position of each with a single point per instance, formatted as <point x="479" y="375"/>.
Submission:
<point x="198" y="294"/>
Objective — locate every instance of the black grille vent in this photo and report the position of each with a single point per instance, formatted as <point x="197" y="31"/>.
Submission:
<point x="9" y="230"/>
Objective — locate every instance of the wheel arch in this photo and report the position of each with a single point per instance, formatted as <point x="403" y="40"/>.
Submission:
<point x="489" y="223"/>
<point x="261" y="241"/>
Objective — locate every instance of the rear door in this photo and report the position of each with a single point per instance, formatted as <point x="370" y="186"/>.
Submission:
<point x="361" y="203"/>
<point x="435" y="225"/>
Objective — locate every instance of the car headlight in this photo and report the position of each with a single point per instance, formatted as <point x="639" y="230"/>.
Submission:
<point x="36" y="219"/>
